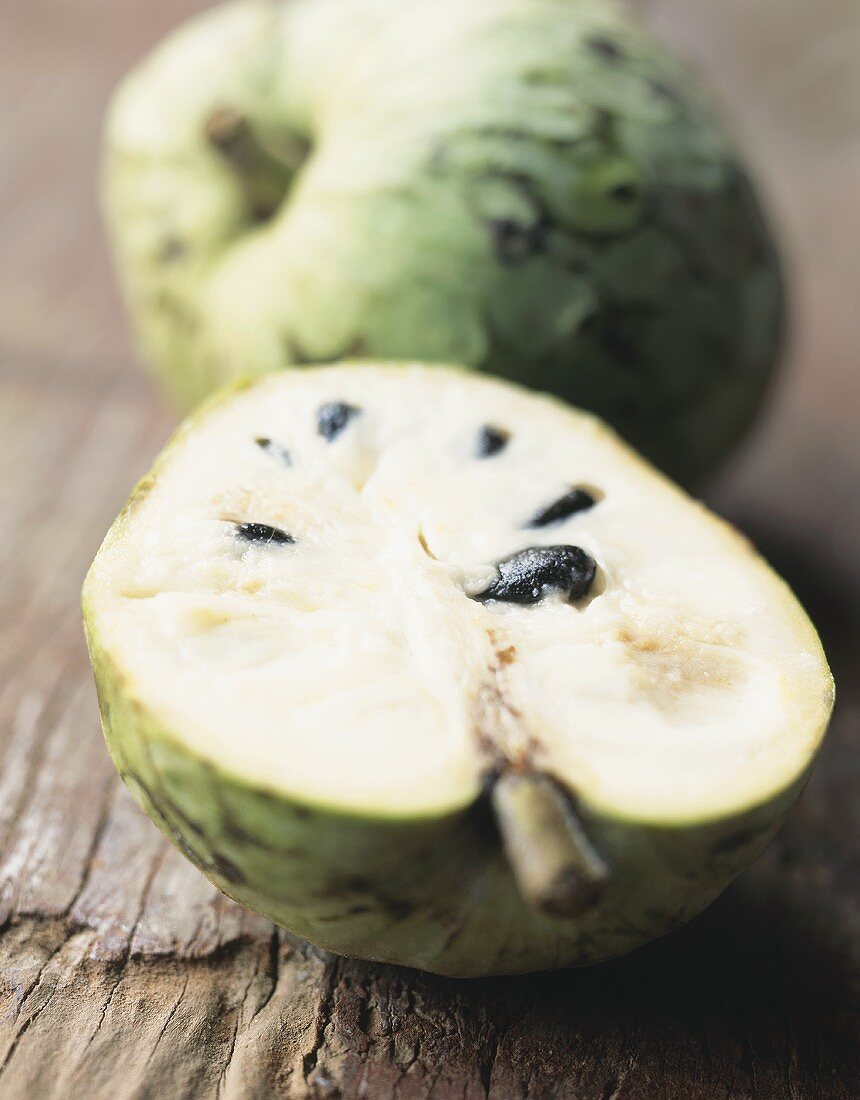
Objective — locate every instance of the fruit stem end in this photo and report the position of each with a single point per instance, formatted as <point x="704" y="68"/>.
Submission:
<point x="555" y="865"/>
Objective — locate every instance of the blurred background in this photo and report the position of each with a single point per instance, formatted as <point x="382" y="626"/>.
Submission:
<point x="80" y="421"/>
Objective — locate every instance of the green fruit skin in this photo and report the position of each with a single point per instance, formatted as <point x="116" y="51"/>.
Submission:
<point x="433" y="893"/>
<point x="534" y="188"/>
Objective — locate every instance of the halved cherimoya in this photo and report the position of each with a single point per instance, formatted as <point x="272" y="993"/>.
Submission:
<point x="433" y="670"/>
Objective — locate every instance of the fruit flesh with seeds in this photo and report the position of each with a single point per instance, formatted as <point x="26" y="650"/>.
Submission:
<point x="535" y="189"/>
<point x="354" y="728"/>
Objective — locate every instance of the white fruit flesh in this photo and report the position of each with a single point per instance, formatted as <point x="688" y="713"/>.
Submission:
<point x="351" y="668"/>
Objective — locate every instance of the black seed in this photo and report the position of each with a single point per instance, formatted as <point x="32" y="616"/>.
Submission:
<point x="605" y="47"/>
<point x="529" y="575"/>
<point x="334" y="417"/>
<point x="262" y="532"/>
<point x="275" y="449"/>
<point x="577" y="500"/>
<point x="490" y="441"/>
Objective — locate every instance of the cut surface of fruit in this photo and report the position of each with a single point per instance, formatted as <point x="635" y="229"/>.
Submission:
<point x="373" y="589"/>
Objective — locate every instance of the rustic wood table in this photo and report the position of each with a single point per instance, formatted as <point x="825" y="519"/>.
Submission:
<point x="122" y="972"/>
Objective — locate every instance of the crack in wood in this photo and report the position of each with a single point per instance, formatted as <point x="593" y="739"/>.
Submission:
<point x="325" y="1008"/>
<point x="104" y="1011"/>
<point x="31" y="1019"/>
<point x="166" y="1024"/>
<point x="110" y="788"/>
<point x="229" y="1059"/>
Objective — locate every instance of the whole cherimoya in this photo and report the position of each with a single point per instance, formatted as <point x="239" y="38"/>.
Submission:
<point x="533" y="188"/>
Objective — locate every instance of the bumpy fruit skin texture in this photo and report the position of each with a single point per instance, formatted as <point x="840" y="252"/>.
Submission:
<point x="433" y="892"/>
<point x="533" y="188"/>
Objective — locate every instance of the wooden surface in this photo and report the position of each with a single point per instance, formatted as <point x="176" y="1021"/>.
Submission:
<point x="122" y="973"/>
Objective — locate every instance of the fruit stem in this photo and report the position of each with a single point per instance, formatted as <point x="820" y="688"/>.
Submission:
<point x="265" y="176"/>
<point x="555" y="866"/>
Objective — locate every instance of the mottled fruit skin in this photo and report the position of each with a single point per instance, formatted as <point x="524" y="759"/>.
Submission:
<point x="416" y="891"/>
<point x="533" y="188"/>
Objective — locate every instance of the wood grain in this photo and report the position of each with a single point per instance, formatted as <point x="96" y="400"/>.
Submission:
<point x="122" y="972"/>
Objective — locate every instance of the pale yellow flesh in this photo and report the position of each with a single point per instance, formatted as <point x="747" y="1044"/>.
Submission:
<point x="352" y="669"/>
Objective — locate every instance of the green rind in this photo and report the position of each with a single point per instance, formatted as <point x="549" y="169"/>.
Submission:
<point x="565" y="215"/>
<point x="433" y="893"/>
